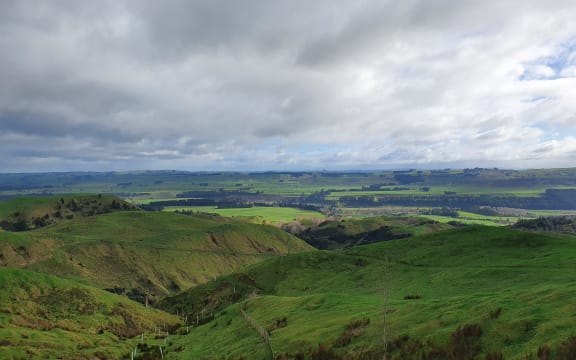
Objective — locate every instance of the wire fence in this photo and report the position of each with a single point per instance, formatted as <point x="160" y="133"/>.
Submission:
<point x="264" y="334"/>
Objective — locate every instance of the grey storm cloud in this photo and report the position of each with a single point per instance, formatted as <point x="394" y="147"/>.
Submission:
<point x="45" y="125"/>
<point x="120" y="84"/>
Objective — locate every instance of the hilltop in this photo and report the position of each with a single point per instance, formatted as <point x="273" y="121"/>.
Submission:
<point x="462" y="293"/>
<point x="21" y="214"/>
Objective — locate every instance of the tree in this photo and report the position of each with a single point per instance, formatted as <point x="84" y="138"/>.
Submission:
<point x="20" y="225"/>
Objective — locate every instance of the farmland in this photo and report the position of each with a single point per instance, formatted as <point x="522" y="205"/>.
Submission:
<point x="321" y="262"/>
<point x="327" y="192"/>
<point x="273" y="215"/>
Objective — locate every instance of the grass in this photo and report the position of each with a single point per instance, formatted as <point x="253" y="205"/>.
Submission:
<point x="469" y="218"/>
<point x="229" y="332"/>
<point x="461" y="276"/>
<point x="272" y="215"/>
<point x="156" y="253"/>
<point x="467" y="221"/>
<point x="166" y="184"/>
<point x="136" y="253"/>
<point x="464" y="217"/>
<point x="22" y="214"/>
<point x="46" y="317"/>
<point x="41" y="204"/>
<point x="552" y="212"/>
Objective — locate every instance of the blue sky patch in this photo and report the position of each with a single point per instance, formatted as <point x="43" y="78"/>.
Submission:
<point x="550" y="68"/>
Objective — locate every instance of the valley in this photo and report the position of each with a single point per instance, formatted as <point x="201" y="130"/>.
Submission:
<point x="287" y="180"/>
<point x="285" y="272"/>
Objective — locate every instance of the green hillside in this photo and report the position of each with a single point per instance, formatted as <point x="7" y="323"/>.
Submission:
<point x="469" y="293"/>
<point x="145" y="254"/>
<point x="44" y="317"/>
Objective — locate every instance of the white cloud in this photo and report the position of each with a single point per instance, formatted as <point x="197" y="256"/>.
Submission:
<point x="196" y="85"/>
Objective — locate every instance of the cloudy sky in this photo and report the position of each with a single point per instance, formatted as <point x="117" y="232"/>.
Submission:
<point x="286" y="85"/>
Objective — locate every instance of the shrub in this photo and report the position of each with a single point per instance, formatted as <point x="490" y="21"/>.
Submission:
<point x="496" y="355"/>
<point x="278" y="324"/>
<point x="567" y="350"/>
<point x="324" y="353"/>
<point x="353" y="330"/>
<point x="544" y="352"/>
<point x="465" y="342"/>
<point x="495" y="314"/>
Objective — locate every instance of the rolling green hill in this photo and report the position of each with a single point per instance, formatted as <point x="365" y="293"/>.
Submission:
<point x="145" y="254"/>
<point x="469" y="293"/>
<point x="44" y="317"/>
<point x="98" y="242"/>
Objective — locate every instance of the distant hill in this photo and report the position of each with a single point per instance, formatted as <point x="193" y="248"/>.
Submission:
<point x="142" y="254"/>
<point x="44" y="317"/>
<point x="550" y="223"/>
<point x="468" y="293"/>
<point x="345" y="233"/>
<point x="22" y="214"/>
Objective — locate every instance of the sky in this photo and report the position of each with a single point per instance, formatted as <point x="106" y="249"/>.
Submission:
<point x="286" y="85"/>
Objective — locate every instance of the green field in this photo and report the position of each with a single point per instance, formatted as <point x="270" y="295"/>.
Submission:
<point x="464" y="217"/>
<point x="327" y="192"/>
<point x="467" y="221"/>
<point x="166" y="184"/>
<point x="441" y="190"/>
<point x="469" y="218"/>
<point x="552" y="212"/>
<point x="273" y="215"/>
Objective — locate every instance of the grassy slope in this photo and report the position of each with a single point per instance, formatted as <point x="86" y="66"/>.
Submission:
<point x="463" y="276"/>
<point x="46" y="317"/>
<point x="160" y="253"/>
